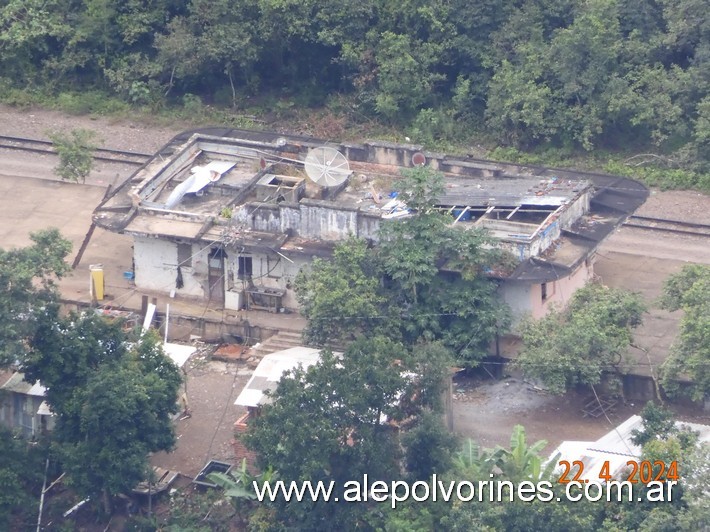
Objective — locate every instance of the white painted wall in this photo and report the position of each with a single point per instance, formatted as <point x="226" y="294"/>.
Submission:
<point x="517" y="296"/>
<point x="156" y="267"/>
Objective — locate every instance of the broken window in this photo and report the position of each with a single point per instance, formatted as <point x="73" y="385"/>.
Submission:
<point x="244" y="268"/>
<point x="184" y="252"/>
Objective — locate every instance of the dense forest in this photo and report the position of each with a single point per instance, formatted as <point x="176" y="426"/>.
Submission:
<point x="578" y="75"/>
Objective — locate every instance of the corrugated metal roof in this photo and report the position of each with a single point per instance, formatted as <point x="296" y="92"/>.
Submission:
<point x="615" y="448"/>
<point x="17" y="383"/>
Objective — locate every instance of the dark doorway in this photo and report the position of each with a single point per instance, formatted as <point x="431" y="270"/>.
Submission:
<point x="215" y="275"/>
<point x="245" y="268"/>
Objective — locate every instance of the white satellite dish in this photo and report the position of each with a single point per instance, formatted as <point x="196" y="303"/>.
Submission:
<point x="326" y="166"/>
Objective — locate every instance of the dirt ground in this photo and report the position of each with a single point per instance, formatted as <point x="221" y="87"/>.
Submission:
<point x="212" y="387"/>
<point x="483" y="410"/>
<point x="486" y="411"/>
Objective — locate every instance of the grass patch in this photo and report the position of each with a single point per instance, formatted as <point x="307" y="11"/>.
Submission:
<point x="341" y="120"/>
<point x="610" y="163"/>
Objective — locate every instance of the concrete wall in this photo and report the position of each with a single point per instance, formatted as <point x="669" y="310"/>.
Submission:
<point x="571" y="213"/>
<point x="156" y="267"/>
<point x="269" y="270"/>
<point x="545" y="237"/>
<point x="559" y="292"/>
<point x="516" y="295"/>
<point x="525" y="299"/>
<point x="18" y="412"/>
<point x="322" y="221"/>
<point x="316" y="219"/>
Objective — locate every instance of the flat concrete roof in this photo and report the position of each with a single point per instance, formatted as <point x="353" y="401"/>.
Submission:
<point x="509" y="192"/>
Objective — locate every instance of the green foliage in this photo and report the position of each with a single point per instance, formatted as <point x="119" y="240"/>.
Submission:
<point x="690" y="356"/>
<point x="429" y="446"/>
<point x="113" y="400"/>
<point x="522" y="462"/>
<point x="600" y="74"/>
<point x="333" y="422"/>
<point x="21" y="470"/>
<point x="581" y="343"/>
<point x="657" y="423"/>
<point x="239" y="484"/>
<point x="425" y="281"/>
<point x="340" y="297"/>
<point x="457" y="306"/>
<point x="197" y="511"/>
<point x="27" y="278"/>
<point x="75" y="152"/>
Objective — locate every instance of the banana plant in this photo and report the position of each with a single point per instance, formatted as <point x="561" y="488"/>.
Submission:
<point x="523" y="461"/>
<point x="239" y="484"/>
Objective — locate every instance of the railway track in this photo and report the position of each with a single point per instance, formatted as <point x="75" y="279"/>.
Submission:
<point x="100" y="154"/>
<point x="668" y="226"/>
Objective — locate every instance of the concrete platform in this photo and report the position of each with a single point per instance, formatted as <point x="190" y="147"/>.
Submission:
<point x="641" y="261"/>
<point x="30" y="204"/>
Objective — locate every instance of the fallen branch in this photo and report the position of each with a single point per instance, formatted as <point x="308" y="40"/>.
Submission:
<point x="666" y="160"/>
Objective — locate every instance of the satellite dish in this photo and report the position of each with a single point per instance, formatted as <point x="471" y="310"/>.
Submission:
<point x="418" y="159"/>
<point x="326" y="166"/>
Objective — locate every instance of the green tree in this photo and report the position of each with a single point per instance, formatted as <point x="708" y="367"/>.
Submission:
<point x="113" y="400"/>
<point x="341" y="297"/>
<point x="425" y="282"/>
<point x="337" y="422"/>
<point x="21" y="470"/>
<point x="657" y="423"/>
<point x="436" y="273"/>
<point x="27" y="278"/>
<point x="690" y="355"/>
<point x="581" y="343"/>
<point x="75" y="151"/>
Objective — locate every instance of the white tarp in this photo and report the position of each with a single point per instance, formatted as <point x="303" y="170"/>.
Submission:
<point x="178" y="353"/>
<point x="200" y="178"/>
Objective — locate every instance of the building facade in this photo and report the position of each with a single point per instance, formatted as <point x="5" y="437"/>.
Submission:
<point x="230" y="218"/>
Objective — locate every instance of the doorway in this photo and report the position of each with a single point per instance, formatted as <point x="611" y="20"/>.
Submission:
<point x="215" y="275"/>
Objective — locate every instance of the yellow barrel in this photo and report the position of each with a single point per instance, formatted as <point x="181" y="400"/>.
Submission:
<point x="96" y="287"/>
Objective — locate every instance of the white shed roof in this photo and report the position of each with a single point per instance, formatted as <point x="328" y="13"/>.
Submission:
<point x="178" y="353"/>
<point x="614" y="447"/>
<point x="270" y="370"/>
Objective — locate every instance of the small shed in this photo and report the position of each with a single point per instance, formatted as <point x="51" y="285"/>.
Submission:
<point x="614" y="448"/>
<point x="269" y="372"/>
<point x="22" y="405"/>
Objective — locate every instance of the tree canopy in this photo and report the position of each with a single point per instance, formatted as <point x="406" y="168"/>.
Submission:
<point x="342" y="418"/>
<point x="582" y="342"/>
<point x="426" y="280"/>
<point x="27" y="281"/>
<point x="690" y="355"/>
<point x="601" y="73"/>
<point x="75" y="151"/>
<point x="113" y="399"/>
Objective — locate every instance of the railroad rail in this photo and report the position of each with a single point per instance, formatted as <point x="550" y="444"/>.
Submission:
<point x="100" y="154"/>
<point x="668" y="226"/>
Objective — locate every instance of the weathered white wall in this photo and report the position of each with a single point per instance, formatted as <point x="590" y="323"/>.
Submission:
<point x="315" y="219"/>
<point x="156" y="267"/>
<point x="571" y="213"/>
<point x="269" y="270"/>
<point x="517" y="296"/>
